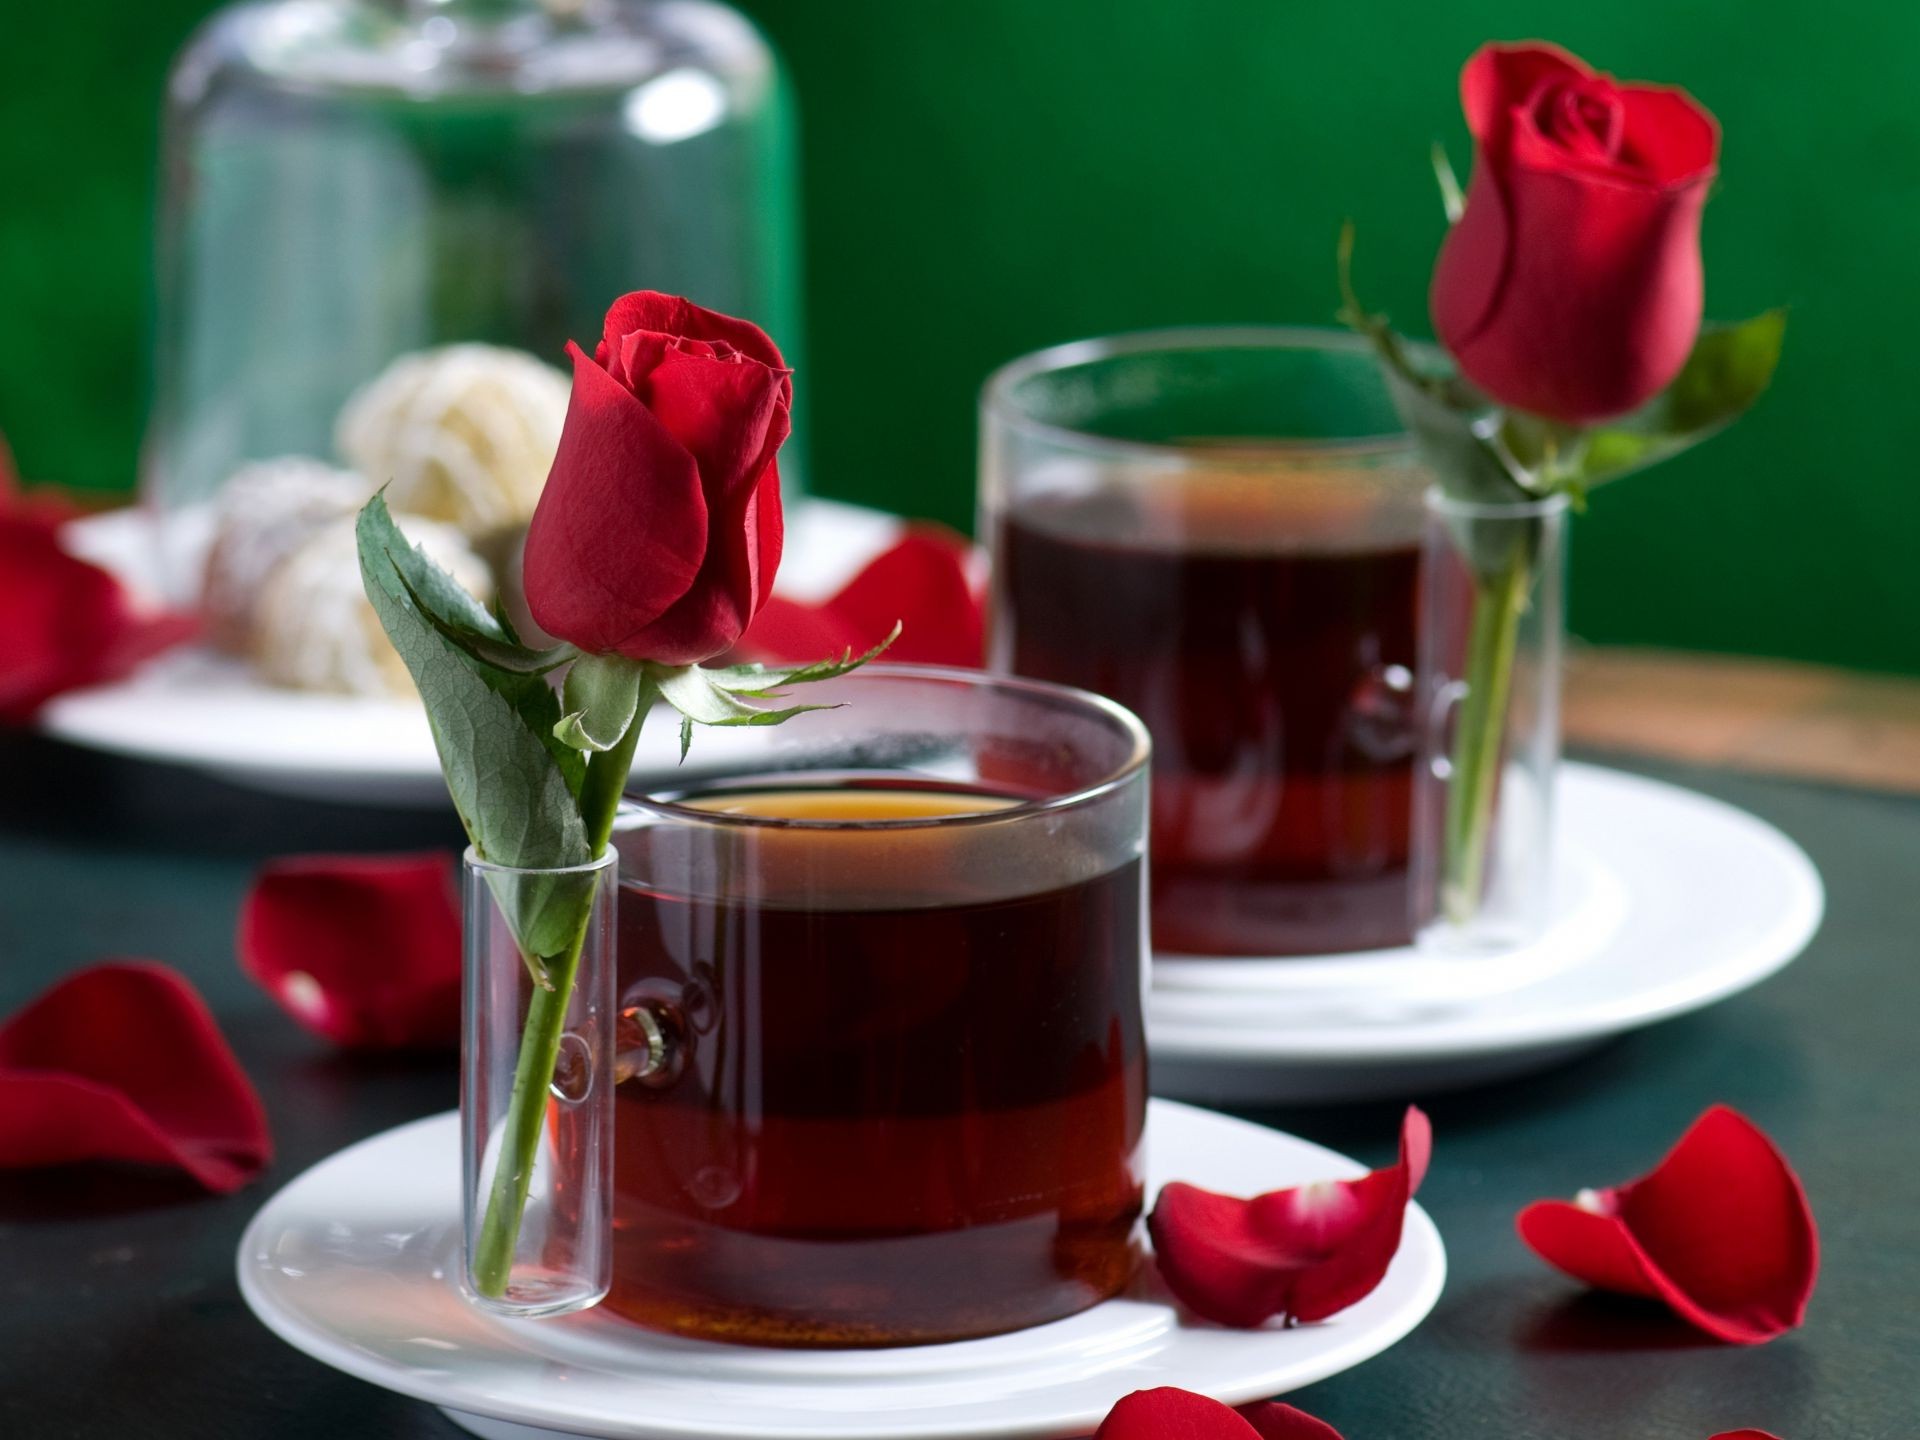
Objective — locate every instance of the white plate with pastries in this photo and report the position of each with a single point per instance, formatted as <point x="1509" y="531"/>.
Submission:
<point x="214" y="711"/>
<point x="293" y="687"/>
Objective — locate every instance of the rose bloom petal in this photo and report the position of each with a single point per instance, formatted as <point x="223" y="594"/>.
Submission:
<point x="1571" y="286"/>
<point x="1301" y="1254"/>
<point x="123" y="1062"/>
<point x="923" y="581"/>
<point x="662" y="314"/>
<point x="1720" y="1231"/>
<point x="1172" y="1414"/>
<point x="732" y="412"/>
<point x="621" y="527"/>
<point x="364" y="950"/>
<point x="660" y="529"/>
<point x="66" y="623"/>
<point x="1746" y="1435"/>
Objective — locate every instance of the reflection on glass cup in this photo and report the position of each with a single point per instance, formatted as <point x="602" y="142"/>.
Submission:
<point x="882" y="1072"/>
<point x="1221" y="530"/>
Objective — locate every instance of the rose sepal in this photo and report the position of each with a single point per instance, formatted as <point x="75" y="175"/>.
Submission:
<point x="768" y="680"/>
<point x="599" y="698"/>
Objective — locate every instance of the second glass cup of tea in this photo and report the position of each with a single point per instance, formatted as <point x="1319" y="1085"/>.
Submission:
<point x="883" y="1071"/>
<point x="1221" y="530"/>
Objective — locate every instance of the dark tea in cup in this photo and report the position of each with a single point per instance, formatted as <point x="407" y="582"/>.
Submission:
<point x="904" y="1074"/>
<point x="1178" y="540"/>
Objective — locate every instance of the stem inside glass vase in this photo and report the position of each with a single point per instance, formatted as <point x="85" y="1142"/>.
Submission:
<point x="494" y="1249"/>
<point x="1479" y="740"/>
<point x="1490" y="671"/>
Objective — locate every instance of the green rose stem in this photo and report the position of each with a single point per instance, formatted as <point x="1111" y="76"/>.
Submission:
<point x="1499" y="601"/>
<point x="492" y="1264"/>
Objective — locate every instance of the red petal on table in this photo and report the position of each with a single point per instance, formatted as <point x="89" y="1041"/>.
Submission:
<point x="923" y="581"/>
<point x="65" y="623"/>
<point x="1274" y="1421"/>
<point x="1172" y="1414"/>
<point x="124" y="1062"/>
<point x="1302" y="1254"/>
<point x="1720" y="1231"/>
<point x="1746" y="1435"/>
<point x="363" y="949"/>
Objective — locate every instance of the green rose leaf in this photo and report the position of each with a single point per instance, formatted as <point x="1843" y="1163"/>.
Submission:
<point x="601" y="694"/>
<point x="431" y="597"/>
<point x="501" y="651"/>
<point x="1729" y="369"/>
<point x="493" y="729"/>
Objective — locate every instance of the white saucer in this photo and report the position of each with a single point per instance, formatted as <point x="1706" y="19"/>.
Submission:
<point x="350" y="1263"/>
<point x="209" y="711"/>
<point x="1668" y="901"/>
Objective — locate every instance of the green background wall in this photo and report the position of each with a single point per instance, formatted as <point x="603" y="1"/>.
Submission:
<point x="986" y="176"/>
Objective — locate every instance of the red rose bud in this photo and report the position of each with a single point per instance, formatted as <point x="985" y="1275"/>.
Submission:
<point x="1746" y="1435"/>
<point x="362" y="949"/>
<point x="1720" y="1231"/>
<point x="1571" y="287"/>
<point x="1170" y="1414"/>
<point x="123" y="1063"/>
<point x="1301" y="1254"/>
<point x="659" y="530"/>
<point x="923" y="581"/>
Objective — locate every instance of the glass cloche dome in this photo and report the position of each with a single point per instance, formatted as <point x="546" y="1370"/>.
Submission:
<point x="349" y="181"/>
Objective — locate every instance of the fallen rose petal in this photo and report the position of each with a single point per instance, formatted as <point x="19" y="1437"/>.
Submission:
<point x="1173" y="1414"/>
<point x="363" y="949"/>
<point x="1274" y="1421"/>
<point x="1301" y="1254"/>
<point x="1720" y="1230"/>
<point x="921" y="581"/>
<point x="123" y="1062"/>
<point x="44" y="505"/>
<point x="65" y="623"/>
<point x="1746" y="1435"/>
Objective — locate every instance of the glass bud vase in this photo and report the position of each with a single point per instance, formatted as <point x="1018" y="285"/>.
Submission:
<point x="537" y="1174"/>
<point x="1491" y="635"/>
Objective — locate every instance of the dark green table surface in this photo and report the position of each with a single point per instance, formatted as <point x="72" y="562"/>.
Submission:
<point x="119" y="1314"/>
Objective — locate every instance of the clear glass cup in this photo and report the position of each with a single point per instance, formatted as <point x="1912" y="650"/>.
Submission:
<point x="882" y="969"/>
<point x="1221" y="530"/>
<point x="345" y="181"/>
<point x="537" y="1197"/>
<point x="1491" y="641"/>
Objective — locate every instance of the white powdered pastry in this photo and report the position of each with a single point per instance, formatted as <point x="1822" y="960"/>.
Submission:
<point x="316" y="629"/>
<point x="265" y="512"/>
<point x="464" y="434"/>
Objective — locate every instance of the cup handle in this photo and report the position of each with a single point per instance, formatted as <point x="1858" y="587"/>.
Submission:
<point x="650" y="1036"/>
